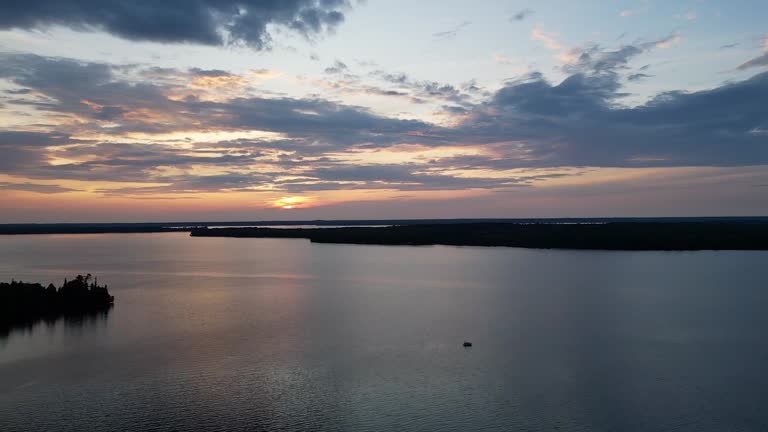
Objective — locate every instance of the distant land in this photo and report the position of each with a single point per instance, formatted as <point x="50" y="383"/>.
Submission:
<point x="678" y="235"/>
<point x="155" y="227"/>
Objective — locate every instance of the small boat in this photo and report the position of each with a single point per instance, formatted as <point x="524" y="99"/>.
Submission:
<point x="467" y="344"/>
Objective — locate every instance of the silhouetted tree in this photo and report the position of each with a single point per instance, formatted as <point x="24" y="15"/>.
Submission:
<point x="27" y="302"/>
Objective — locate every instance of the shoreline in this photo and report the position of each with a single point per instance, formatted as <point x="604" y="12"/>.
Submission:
<point x="188" y="226"/>
<point x="679" y="236"/>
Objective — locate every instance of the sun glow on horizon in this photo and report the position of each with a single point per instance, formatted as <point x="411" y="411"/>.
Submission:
<point x="291" y="202"/>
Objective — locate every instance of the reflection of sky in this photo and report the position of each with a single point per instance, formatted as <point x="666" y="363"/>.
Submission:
<point x="315" y="128"/>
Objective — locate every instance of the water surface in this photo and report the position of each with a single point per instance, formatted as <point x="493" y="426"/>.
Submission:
<point x="283" y="334"/>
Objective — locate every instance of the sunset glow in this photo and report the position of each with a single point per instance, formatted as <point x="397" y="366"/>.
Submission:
<point x="291" y="202"/>
<point x="501" y="109"/>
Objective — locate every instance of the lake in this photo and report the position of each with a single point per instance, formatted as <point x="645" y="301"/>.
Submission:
<point x="284" y="335"/>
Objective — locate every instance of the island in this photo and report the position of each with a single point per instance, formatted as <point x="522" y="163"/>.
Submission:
<point x="708" y="235"/>
<point x="23" y="304"/>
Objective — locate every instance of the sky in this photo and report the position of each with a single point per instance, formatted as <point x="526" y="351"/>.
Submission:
<point x="177" y="110"/>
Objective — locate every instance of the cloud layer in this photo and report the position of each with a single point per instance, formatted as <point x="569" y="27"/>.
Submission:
<point x="209" y="22"/>
<point x="163" y="131"/>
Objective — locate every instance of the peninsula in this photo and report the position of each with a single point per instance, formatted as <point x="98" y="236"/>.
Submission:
<point x="715" y="235"/>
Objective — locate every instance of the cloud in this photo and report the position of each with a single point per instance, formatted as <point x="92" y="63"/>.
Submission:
<point x="87" y="90"/>
<point x="219" y="22"/>
<point x="10" y="138"/>
<point x="112" y="123"/>
<point x="578" y="123"/>
<point x="577" y="93"/>
<point x="759" y="61"/>
<point x="521" y="15"/>
<point x="579" y="56"/>
<point x="668" y="41"/>
<point x="641" y="9"/>
<point x="94" y="92"/>
<point x="400" y="85"/>
<point x="401" y="177"/>
<point x="35" y="187"/>
<point x="22" y="149"/>
<point x="452" y="32"/>
<point x="229" y="181"/>
<point x="597" y="60"/>
<point x="425" y="89"/>
<point x="337" y="68"/>
<point x="549" y="40"/>
<point x="638" y="76"/>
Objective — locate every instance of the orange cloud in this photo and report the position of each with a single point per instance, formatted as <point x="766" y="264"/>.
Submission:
<point x="669" y="42"/>
<point x="225" y="81"/>
<point x="547" y="38"/>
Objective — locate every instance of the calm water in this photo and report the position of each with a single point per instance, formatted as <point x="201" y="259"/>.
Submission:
<point x="260" y="334"/>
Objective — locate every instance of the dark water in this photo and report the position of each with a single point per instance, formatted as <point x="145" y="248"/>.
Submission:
<point x="259" y="334"/>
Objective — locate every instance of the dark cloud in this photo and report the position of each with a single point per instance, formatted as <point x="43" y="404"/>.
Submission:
<point x="34" y="187"/>
<point x="22" y="91"/>
<point x="84" y="89"/>
<point x="213" y="73"/>
<point x="383" y="92"/>
<point x="327" y="123"/>
<point x="758" y="61"/>
<point x="31" y="139"/>
<point x="423" y="89"/>
<point x="389" y="176"/>
<point x="337" y="68"/>
<point x="594" y="83"/>
<point x="452" y="32"/>
<point x="395" y="78"/>
<point x="595" y="59"/>
<point x="38" y="72"/>
<point x="195" y="184"/>
<point x="578" y="94"/>
<point x="453" y="109"/>
<point x="523" y="14"/>
<point x="638" y="76"/>
<point x="471" y="86"/>
<point x="443" y="91"/>
<point x="209" y="22"/>
<point x="578" y="123"/>
<point x="20" y="150"/>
